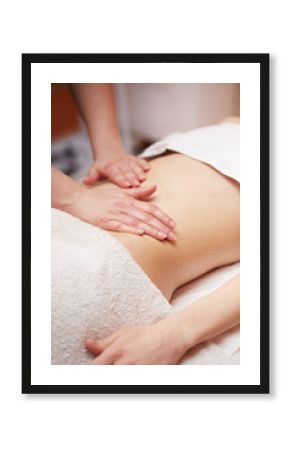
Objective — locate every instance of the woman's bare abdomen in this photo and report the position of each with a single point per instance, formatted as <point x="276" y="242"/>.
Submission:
<point x="206" y="208"/>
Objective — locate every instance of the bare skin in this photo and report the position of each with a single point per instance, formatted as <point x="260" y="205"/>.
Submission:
<point x="96" y="104"/>
<point x="206" y="208"/>
<point x="107" y="207"/>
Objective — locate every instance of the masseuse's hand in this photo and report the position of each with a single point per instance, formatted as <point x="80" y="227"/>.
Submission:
<point x="122" y="169"/>
<point x="160" y="343"/>
<point x="116" y="209"/>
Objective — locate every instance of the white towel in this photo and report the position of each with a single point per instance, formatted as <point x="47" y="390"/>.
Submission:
<point x="96" y="288"/>
<point x="217" y="145"/>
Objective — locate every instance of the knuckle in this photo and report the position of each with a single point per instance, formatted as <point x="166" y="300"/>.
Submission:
<point x="144" y="217"/>
<point x="129" y="173"/>
<point x="101" y="221"/>
<point x="118" y="176"/>
<point x="153" y="208"/>
<point x="115" y="225"/>
<point x="133" y="221"/>
<point x="154" y="222"/>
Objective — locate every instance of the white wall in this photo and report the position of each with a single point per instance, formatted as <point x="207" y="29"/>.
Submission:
<point x="150" y="111"/>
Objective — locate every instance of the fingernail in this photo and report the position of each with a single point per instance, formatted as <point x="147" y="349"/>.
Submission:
<point x="140" y="231"/>
<point x="171" y="236"/>
<point x="172" y="223"/>
<point x="161" y="235"/>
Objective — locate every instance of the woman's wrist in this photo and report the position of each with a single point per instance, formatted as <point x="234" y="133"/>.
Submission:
<point x="187" y="329"/>
<point x="69" y="197"/>
<point x="64" y="190"/>
<point x="72" y="201"/>
<point x="182" y="329"/>
<point x="212" y="315"/>
<point x="108" y="152"/>
<point x="179" y="334"/>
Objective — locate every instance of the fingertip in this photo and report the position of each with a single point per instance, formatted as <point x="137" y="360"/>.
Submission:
<point x="161" y="235"/>
<point x="139" y="172"/>
<point x="147" y="190"/>
<point x="171" y="236"/>
<point x="88" y="181"/>
<point x="152" y="187"/>
<point x="122" y="182"/>
<point x="145" y="166"/>
<point x="93" y="347"/>
<point x="90" y="345"/>
<point x="89" y="341"/>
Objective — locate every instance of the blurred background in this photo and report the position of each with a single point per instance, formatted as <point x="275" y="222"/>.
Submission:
<point x="146" y="113"/>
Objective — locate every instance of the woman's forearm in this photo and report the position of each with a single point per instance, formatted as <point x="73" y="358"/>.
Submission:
<point x="63" y="190"/>
<point x="212" y="315"/>
<point x="166" y="341"/>
<point x="96" y="104"/>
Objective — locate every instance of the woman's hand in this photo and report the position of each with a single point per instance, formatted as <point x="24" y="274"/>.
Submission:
<point x="96" y="104"/>
<point x="115" y="209"/>
<point x="122" y="169"/>
<point x="165" y="342"/>
<point x="160" y="343"/>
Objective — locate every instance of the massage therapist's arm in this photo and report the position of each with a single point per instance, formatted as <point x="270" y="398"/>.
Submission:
<point x="168" y="340"/>
<point x="110" y="207"/>
<point x="96" y="104"/>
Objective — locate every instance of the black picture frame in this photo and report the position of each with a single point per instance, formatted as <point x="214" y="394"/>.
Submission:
<point x="263" y="61"/>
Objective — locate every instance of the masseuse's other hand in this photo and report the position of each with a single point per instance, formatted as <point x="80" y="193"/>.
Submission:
<point x="160" y="343"/>
<point x="116" y="209"/>
<point x="122" y="169"/>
